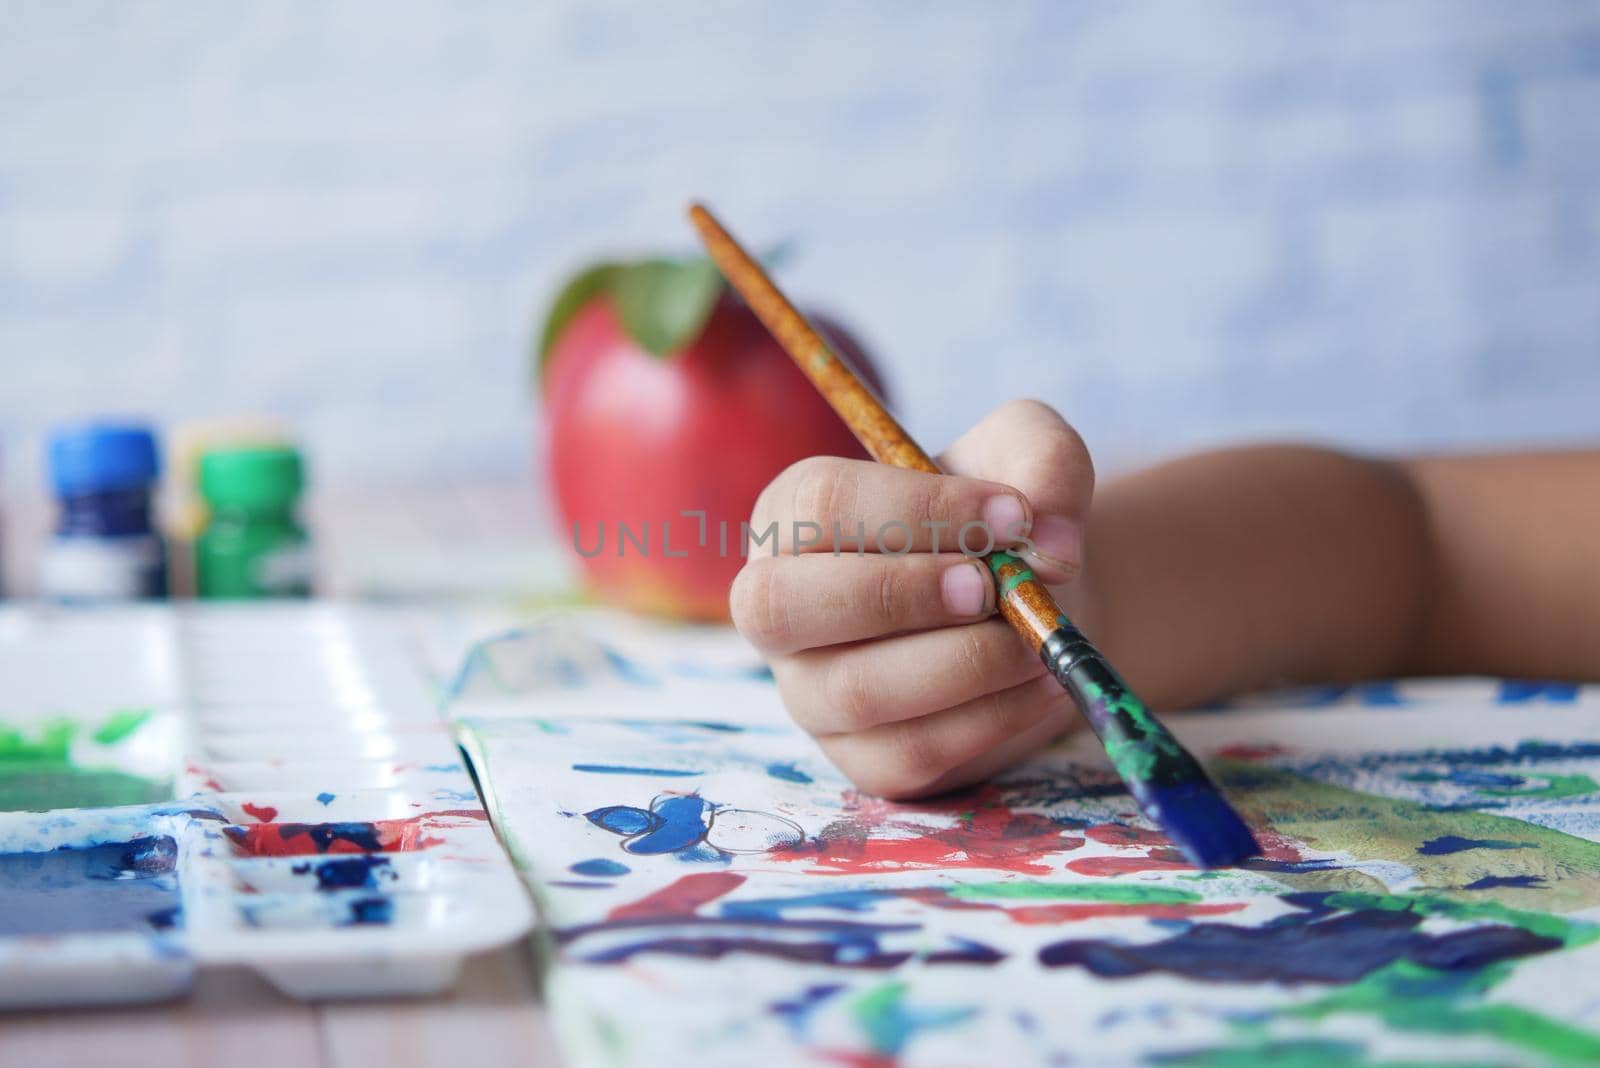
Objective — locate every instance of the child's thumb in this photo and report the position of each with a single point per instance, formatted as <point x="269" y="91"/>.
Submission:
<point x="1028" y="445"/>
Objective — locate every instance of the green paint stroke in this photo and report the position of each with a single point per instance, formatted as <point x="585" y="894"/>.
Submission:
<point x="1110" y="893"/>
<point x="889" y="1023"/>
<point x="1409" y="997"/>
<point x="122" y="723"/>
<point x="1289" y="1053"/>
<point x="1369" y="827"/>
<point x="1554" y="788"/>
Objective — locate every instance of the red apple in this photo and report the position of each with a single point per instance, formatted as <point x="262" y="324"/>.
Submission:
<point x="664" y="395"/>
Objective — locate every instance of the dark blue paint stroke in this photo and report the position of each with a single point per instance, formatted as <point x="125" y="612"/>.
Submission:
<point x="1290" y="867"/>
<point x="370" y="911"/>
<point x="599" y="868"/>
<point x="348" y="873"/>
<point x="788" y="772"/>
<point x="1341" y="949"/>
<point x="1521" y="882"/>
<point x="108" y="886"/>
<point x="965" y="951"/>
<point x="326" y="798"/>
<point x="623" y="769"/>
<point x="578" y="884"/>
<point x="1454" y="843"/>
<point x="840" y="953"/>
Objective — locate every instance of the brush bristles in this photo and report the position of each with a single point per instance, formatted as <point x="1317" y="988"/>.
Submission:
<point x="1201" y="823"/>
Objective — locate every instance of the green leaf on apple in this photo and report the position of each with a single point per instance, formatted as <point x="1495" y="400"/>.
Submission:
<point x="663" y="304"/>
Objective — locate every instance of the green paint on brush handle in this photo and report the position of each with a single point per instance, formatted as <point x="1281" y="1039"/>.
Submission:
<point x="1140" y="748"/>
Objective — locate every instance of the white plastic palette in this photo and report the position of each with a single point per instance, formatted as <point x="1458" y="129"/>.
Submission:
<point x="309" y="816"/>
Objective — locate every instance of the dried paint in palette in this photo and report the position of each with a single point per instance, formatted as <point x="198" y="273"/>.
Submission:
<point x="65" y="763"/>
<point x="216" y="787"/>
<point x="102" y="887"/>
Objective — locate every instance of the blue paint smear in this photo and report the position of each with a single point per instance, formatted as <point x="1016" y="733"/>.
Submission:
<point x="628" y="670"/>
<point x="622" y="769"/>
<point x="625" y="820"/>
<point x="683" y="823"/>
<point x="599" y="867"/>
<point x="348" y="873"/>
<point x="578" y="884"/>
<point x="671" y="825"/>
<point x="1341" y="949"/>
<point x="1454" y="843"/>
<point x="1469" y="777"/>
<point x="442" y="767"/>
<point x="1491" y="882"/>
<point x="1521" y="691"/>
<point x="370" y="910"/>
<point x="773" y="909"/>
<point x="797" y="1013"/>
<point x="326" y="798"/>
<point x="109" y="886"/>
<point x="788" y="772"/>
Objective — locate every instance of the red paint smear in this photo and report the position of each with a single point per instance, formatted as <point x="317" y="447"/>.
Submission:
<point x="301" y="839"/>
<point x="1277" y="846"/>
<point x="985" y="834"/>
<point x="1251" y="752"/>
<point x="1124" y="834"/>
<point x="464" y="813"/>
<point x="264" y="813"/>
<point x="681" y="898"/>
<point x="853" y="1059"/>
<point x="1070" y="912"/>
<point x="1155" y="860"/>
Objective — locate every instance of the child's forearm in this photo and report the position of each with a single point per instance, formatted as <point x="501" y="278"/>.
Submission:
<point x="1264" y="566"/>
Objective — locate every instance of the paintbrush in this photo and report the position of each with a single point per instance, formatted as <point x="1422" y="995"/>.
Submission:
<point x="1171" y="787"/>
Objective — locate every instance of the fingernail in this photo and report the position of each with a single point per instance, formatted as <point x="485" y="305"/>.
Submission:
<point x="965" y="590"/>
<point x="1004" y="517"/>
<point x="1058" y="540"/>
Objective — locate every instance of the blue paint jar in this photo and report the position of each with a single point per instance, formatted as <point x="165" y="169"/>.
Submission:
<point x="105" y="546"/>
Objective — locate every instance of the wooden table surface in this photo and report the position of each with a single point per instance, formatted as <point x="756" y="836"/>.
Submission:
<point x="233" y="1018"/>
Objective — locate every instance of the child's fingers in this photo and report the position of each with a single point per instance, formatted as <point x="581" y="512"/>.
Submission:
<point x="917" y="757"/>
<point x="825" y="503"/>
<point x="1013" y="750"/>
<point x="848" y="688"/>
<point x="1028" y="445"/>
<point x="788" y="603"/>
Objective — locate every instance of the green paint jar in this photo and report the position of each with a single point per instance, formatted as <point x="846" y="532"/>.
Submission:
<point x="252" y="546"/>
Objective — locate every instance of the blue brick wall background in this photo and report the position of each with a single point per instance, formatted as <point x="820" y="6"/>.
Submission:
<point x="1370" y="223"/>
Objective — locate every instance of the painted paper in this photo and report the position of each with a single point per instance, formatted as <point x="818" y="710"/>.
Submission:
<point x="713" y="892"/>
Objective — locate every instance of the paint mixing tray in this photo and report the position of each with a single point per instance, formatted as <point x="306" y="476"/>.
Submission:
<point x="267" y="787"/>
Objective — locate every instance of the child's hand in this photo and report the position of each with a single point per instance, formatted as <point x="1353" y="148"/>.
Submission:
<point x="896" y="661"/>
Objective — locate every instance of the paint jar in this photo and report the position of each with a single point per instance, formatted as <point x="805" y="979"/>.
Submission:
<point x="252" y="546"/>
<point x="105" y="547"/>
